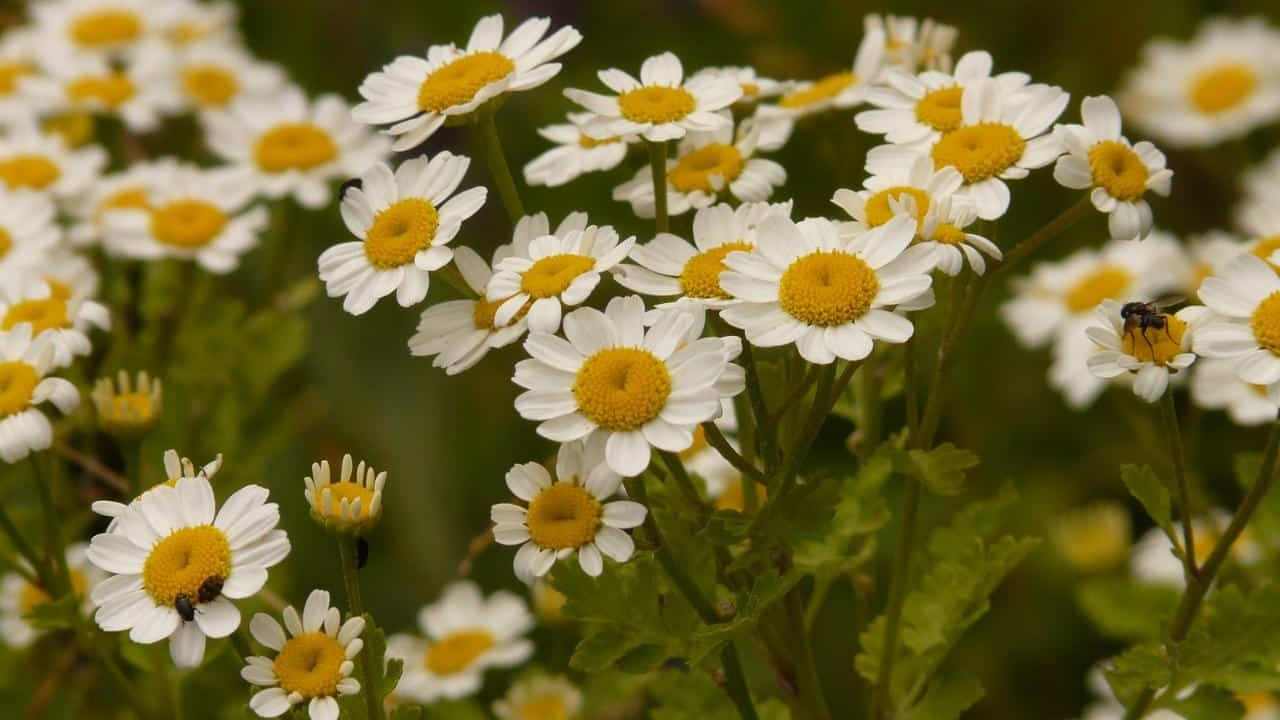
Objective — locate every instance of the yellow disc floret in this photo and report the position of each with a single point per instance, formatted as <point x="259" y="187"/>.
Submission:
<point x="1107" y="282"/>
<point x="1266" y="323"/>
<point x="11" y="73"/>
<point x="553" y="274"/>
<point x="823" y="89"/>
<point x="349" y="491"/>
<point x="827" y="289"/>
<point x="1118" y="170"/>
<point x="187" y="224"/>
<point x="401" y="232"/>
<point x="1222" y="88"/>
<point x="111" y="90"/>
<point x="1155" y="345"/>
<point x="106" y="28"/>
<point x="940" y="109"/>
<point x="294" y="146"/>
<point x="43" y="314"/>
<point x="734" y="496"/>
<point x="74" y="127"/>
<point x="1265" y="248"/>
<point x="656" y="104"/>
<point x="458" y="82"/>
<point x="6" y="243"/>
<point x="310" y="665"/>
<point x="621" y="389"/>
<point x="181" y="562"/>
<point x="543" y="707"/>
<point x="457" y="651"/>
<point x="35" y="172"/>
<point x="948" y="234"/>
<point x="708" y="169"/>
<point x="210" y="85"/>
<point x="879" y="210"/>
<point x="979" y="151"/>
<point x="700" y="277"/>
<point x="18" y="382"/>
<point x="564" y="516"/>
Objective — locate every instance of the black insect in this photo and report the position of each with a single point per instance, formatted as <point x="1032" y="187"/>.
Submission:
<point x="210" y="589"/>
<point x="1144" y="316"/>
<point x="186" y="610"/>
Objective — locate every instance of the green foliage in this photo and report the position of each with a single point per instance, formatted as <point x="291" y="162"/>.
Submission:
<point x="1236" y="642"/>
<point x="1126" y="609"/>
<point x="860" y="511"/>
<point x="1138" y="668"/>
<point x="60" y="614"/>
<point x="1146" y="486"/>
<point x="941" y="469"/>
<point x="949" y="695"/>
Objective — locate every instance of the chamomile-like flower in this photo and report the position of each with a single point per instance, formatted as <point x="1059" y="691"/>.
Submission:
<point x="287" y="145"/>
<point x="828" y="295"/>
<point x="912" y="43"/>
<point x="416" y="96"/>
<point x="883" y="194"/>
<point x="943" y="231"/>
<point x="62" y="318"/>
<point x="670" y="266"/>
<point x="755" y="87"/>
<point x="1099" y="157"/>
<point x="707" y="167"/>
<point x="540" y="697"/>
<point x="41" y="163"/>
<point x="1260" y="219"/>
<point x="614" y="381"/>
<point x="465" y="634"/>
<point x="843" y="89"/>
<point x="575" y="153"/>
<point x="659" y="106"/>
<point x="25" y="90"/>
<point x="185" y="23"/>
<point x="24" y="386"/>
<point x="168" y="554"/>
<point x="138" y="92"/>
<point x="313" y="662"/>
<point x="574" y="512"/>
<point x="353" y="503"/>
<point x="1246" y="301"/>
<point x="19" y="597"/>
<point x="106" y="27"/>
<point x="203" y="215"/>
<point x="1151" y="354"/>
<point x="1093" y="538"/>
<point x="1208" y="253"/>
<point x="130" y="189"/>
<point x="127" y="408"/>
<point x="213" y="76"/>
<point x="552" y="271"/>
<point x="175" y="469"/>
<point x="405" y="221"/>
<point x="1215" y="386"/>
<point x="29" y="233"/>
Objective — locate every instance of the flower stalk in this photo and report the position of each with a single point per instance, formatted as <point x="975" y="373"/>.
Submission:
<point x="355" y="603"/>
<point x="487" y="126"/>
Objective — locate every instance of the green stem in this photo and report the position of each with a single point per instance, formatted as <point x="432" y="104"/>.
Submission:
<point x="355" y="606"/>
<point x="1169" y="413"/>
<point x="799" y="391"/>
<point x="57" y="557"/>
<point x="453" y="278"/>
<point x="912" y="391"/>
<point x="810" y="686"/>
<point x="685" y="483"/>
<point x="897" y="595"/>
<point x="868" y="407"/>
<point x="173" y="683"/>
<point x="717" y="440"/>
<point x="498" y="167"/>
<point x="24" y="549"/>
<point x="658" y="166"/>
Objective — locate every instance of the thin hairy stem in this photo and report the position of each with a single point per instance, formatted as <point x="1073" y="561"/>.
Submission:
<point x="498" y="168"/>
<point x="355" y="606"/>
<point x="717" y="440"/>
<point x="1169" y="413"/>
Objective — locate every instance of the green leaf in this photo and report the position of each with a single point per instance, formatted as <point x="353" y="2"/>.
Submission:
<point x="407" y="712"/>
<point x="385" y="674"/>
<point x="1144" y="485"/>
<point x="1125" y="609"/>
<point x="1209" y="703"/>
<point x="860" y="511"/>
<point x="60" y="614"/>
<point x="948" y="696"/>
<point x="1138" y="668"/>
<point x="943" y="468"/>
<point x="1235" y="644"/>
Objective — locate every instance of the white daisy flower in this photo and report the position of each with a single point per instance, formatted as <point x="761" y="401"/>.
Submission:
<point x="843" y="89"/>
<point x="707" y="167"/>
<point x="884" y="193"/>
<point x="575" y="153"/>
<point x="1150" y="354"/>
<point x="347" y="505"/>
<point x="19" y="597"/>
<point x="732" y="381"/>
<point x="175" y="469"/>
<point x="459" y="333"/>
<point x="540" y="697"/>
<point x="194" y="214"/>
<point x="570" y="513"/>
<point x="554" y="270"/>
<point x="943" y="231"/>
<point x="1002" y="136"/>
<point x="1262" y="181"/>
<point x="287" y="145"/>
<point x="1246" y="299"/>
<point x="24" y="369"/>
<point x="130" y="189"/>
<point x="1215" y="386"/>
<point x="670" y="385"/>
<point x="213" y="76"/>
<point x="828" y="295"/>
<point x="313" y="662"/>
<point x="755" y="87"/>
<point x="465" y="634"/>
<point x="670" y="266"/>
<point x="64" y="320"/>
<point x="919" y="109"/>
<point x="416" y="96"/>
<point x="138" y="92"/>
<point x="405" y="221"/>
<point x="1260" y="219"/>
<point x="25" y="90"/>
<point x="171" y="551"/>
<point x="1220" y="85"/>
<point x="185" y="23"/>
<point x="1208" y="253"/>
<point x="95" y="26"/>
<point x="659" y="106"/>
<point x="1099" y="157"/>
<point x="912" y="43"/>
<point x="29" y="233"/>
<point x="32" y="161"/>
<point x="69" y="274"/>
<point x="125" y="408"/>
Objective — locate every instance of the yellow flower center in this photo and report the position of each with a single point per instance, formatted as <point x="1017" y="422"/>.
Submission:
<point x="1266" y="323"/>
<point x="749" y="91"/>
<point x="186" y="33"/>
<point x="1093" y="538"/>
<point x="310" y="665"/>
<point x="106" y="28"/>
<point x="350" y="492"/>
<point x="18" y="382"/>
<point x="1222" y="88"/>
<point x="822" y="89"/>
<point x="111" y="90"/>
<point x="294" y="146"/>
<point x="979" y="151"/>
<point x="6" y="243"/>
<point x="401" y="232"/>
<point x="44" y="314"/>
<point x="879" y="210"/>
<point x="1118" y="170"/>
<point x="548" y="602"/>
<point x="621" y="389"/>
<point x="10" y="74"/>
<point x="940" y="109"/>
<point x="1256" y="702"/>
<point x="181" y="562"/>
<point x="553" y="274"/>
<point x="456" y="652"/>
<point x="33" y="596"/>
<point x="827" y="289"/>
<point x="1156" y="345"/>
<point x="588" y="142"/>
<point x="187" y="223"/>
<point x="75" y="128"/>
<point x="564" y="516"/>
<point x="485" y="312"/>
<point x="696" y="170"/>
<point x="1264" y="248"/>
<point x="127" y="409"/>
<point x="656" y="104"/>
<point x="734" y="496"/>
<point x="948" y="234"/>
<point x="458" y="82"/>
<point x="543" y="707"/>
<point x="700" y="277"/>
<point x="1107" y="282"/>
<point x="28" y="171"/>
<point x="210" y="85"/>
<point x="133" y="198"/>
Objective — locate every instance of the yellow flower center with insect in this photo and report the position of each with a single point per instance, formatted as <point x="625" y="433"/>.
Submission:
<point x="564" y="516"/>
<point x="33" y="596"/>
<point x="1266" y="323"/>
<point x="656" y="104"/>
<point x="543" y="707"/>
<point x="43" y="314"/>
<point x="734" y="496"/>
<point x="1107" y="282"/>
<point x="940" y="109"/>
<point x="879" y="210"/>
<point x="979" y="151"/>
<point x="587" y="142"/>
<point x="187" y="224"/>
<point x="708" y="169"/>
<point x="1223" y="88"/>
<point x="106" y="28"/>
<point x="1155" y="345"/>
<point x="700" y="277"/>
<point x="310" y="664"/>
<point x="111" y="90"/>
<point x="294" y="146"/>
<point x="181" y="562"/>
<point x="1265" y="248"/>
<point x="458" y="82"/>
<point x="1118" y="170"/>
<point x="948" y="234"/>
<point x="400" y="232"/>
<point x="18" y="382"/>
<point x="75" y="128"/>
<point x="10" y="74"/>
<point x="457" y="651"/>
<point x="553" y="274"/>
<point x="34" y="172"/>
<point x="621" y="389"/>
<point x="828" y="289"/>
<point x="210" y="85"/>
<point x="822" y="89"/>
<point x="348" y="491"/>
